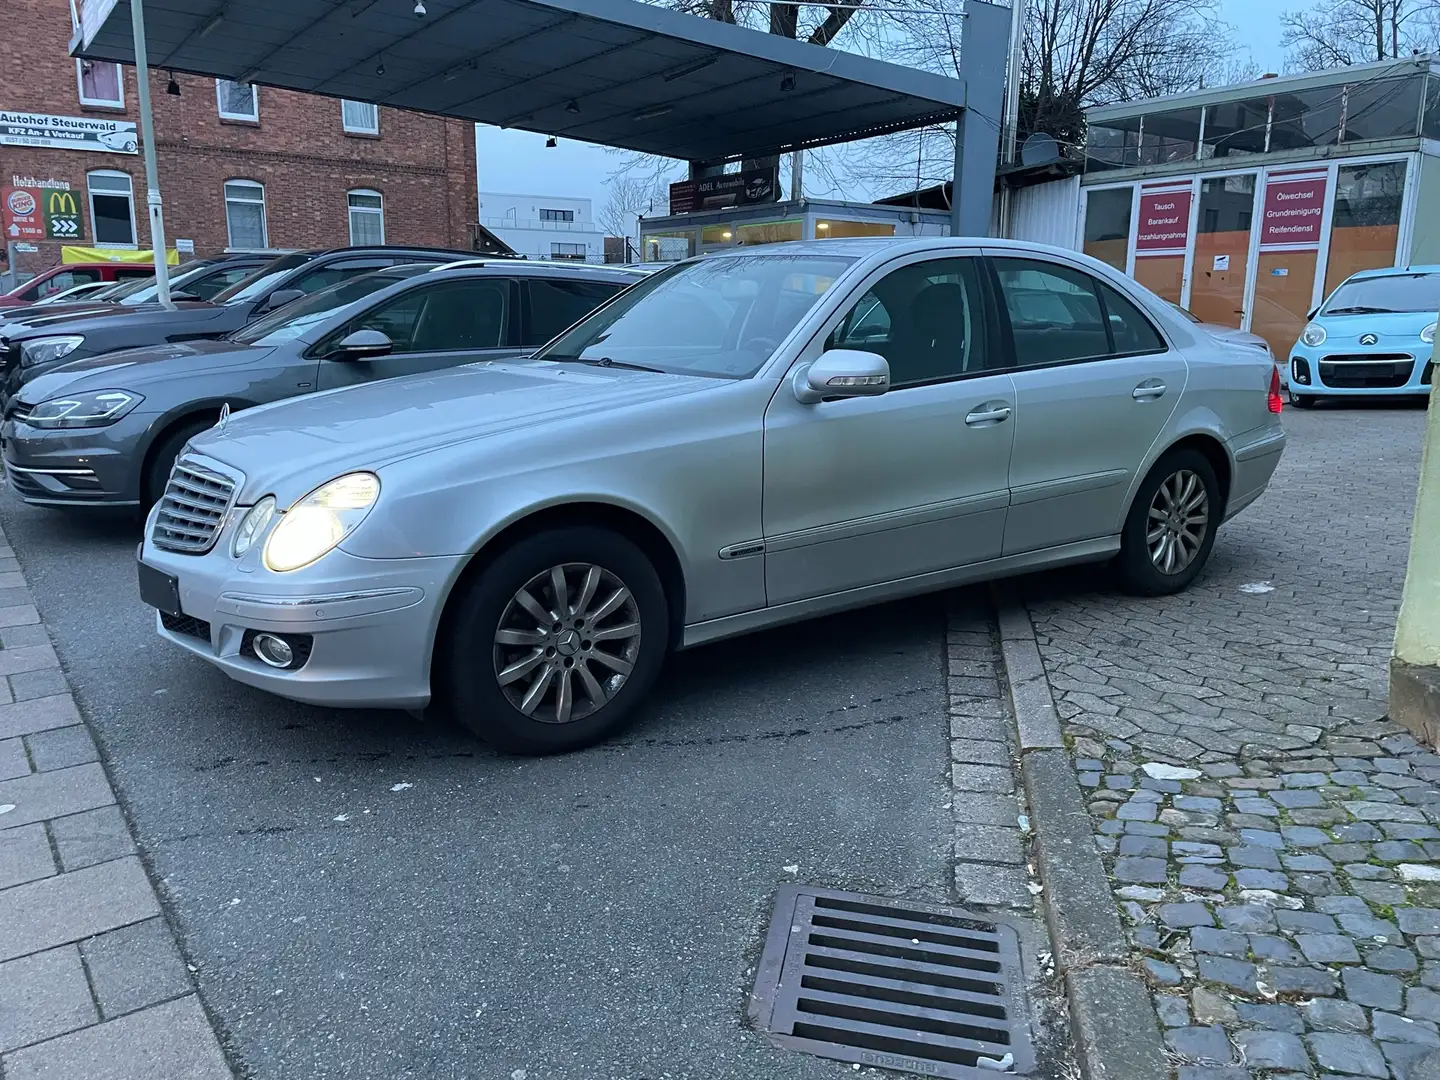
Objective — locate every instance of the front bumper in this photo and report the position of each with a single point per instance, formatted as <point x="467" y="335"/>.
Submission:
<point x="1362" y="371"/>
<point x="78" y="467"/>
<point x="370" y="623"/>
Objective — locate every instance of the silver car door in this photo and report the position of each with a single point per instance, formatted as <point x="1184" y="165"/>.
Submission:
<point x="1095" y="385"/>
<point x="867" y="490"/>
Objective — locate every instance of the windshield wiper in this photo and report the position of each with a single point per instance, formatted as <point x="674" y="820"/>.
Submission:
<point x="1360" y="309"/>
<point x="605" y="361"/>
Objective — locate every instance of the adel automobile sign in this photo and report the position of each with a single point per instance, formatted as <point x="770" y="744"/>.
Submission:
<point x="730" y="189"/>
<point x="68" y="132"/>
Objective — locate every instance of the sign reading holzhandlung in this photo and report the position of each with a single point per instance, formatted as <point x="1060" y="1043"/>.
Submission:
<point x="68" y="132"/>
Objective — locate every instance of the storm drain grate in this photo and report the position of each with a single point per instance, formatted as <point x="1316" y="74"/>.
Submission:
<point x="897" y="985"/>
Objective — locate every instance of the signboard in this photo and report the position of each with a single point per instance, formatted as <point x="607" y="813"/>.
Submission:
<point x="1164" y="223"/>
<point x="185" y="247"/>
<point x="93" y="14"/>
<point x="1294" y="208"/>
<point x="21" y="209"/>
<point x="68" y="132"/>
<point x="41" y="213"/>
<point x="731" y="189"/>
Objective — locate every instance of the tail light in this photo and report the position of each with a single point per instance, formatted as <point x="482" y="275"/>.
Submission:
<point x="1274" y="402"/>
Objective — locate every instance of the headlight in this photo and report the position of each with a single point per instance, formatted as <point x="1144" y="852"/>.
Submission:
<point x="321" y="520"/>
<point x="1313" y="334"/>
<point x="252" y="525"/>
<point x="44" y="350"/>
<point x="1428" y="334"/>
<point x="96" y="408"/>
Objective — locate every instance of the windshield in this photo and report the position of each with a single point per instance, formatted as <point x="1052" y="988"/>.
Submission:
<point x="1381" y="295"/>
<point x="145" y="291"/>
<point x="251" y="287"/>
<point x="721" y="317"/>
<point x="1184" y="311"/>
<point x="292" y="320"/>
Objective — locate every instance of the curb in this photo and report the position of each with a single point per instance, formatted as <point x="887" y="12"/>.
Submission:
<point x="1117" y="1032"/>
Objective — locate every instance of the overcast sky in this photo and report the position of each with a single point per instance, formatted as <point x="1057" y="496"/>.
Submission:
<point x="519" y="162"/>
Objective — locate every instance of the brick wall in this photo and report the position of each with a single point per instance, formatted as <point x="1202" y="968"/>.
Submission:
<point x="423" y="166"/>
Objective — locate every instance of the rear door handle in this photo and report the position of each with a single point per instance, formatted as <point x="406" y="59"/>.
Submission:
<point x="992" y="412"/>
<point x="1148" y="390"/>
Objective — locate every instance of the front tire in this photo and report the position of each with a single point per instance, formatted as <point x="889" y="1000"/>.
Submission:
<point x="557" y="641"/>
<point x="162" y="459"/>
<point x="1303" y="401"/>
<point x="1170" y="529"/>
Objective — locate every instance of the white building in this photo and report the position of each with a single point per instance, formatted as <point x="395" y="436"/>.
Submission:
<point x="544" y="226"/>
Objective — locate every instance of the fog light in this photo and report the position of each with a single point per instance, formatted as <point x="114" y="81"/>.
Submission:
<point x="273" y="650"/>
<point x="1300" y="371"/>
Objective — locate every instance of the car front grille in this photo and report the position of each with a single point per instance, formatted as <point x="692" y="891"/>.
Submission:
<point x="184" y="624"/>
<point x="18" y="410"/>
<point x="1375" y="371"/>
<point x="192" y="509"/>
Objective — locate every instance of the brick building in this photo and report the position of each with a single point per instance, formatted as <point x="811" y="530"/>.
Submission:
<point x="240" y="167"/>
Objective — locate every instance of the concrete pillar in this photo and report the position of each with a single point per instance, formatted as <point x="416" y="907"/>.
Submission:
<point x="1415" y="665"/>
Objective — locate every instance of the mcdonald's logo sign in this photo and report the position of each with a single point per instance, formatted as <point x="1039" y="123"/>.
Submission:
<point x="62" y="214"/>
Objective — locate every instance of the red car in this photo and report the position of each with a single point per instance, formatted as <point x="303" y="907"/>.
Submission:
<point x="69" y="274"/>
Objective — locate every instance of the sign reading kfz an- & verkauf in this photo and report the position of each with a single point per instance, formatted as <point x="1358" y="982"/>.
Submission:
<point x="68" y="132"/>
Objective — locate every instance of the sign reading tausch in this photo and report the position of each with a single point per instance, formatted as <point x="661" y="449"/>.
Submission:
<point x="68" y="132"/>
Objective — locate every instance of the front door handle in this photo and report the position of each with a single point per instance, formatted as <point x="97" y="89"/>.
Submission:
<point x="992" y="412"/>
<point x="1148" y="390"/>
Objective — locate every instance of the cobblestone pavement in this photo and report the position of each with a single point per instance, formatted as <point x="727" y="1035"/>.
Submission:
<point x="1271" y="837"/>
<point x="91" y="982"/>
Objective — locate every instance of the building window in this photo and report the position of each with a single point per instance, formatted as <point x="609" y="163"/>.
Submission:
<point x="367" y="217"/>
<point x="237" y="101"/>
<point x="100" y="84"/>
<point x="557" y="215"/>
<point x="245" y="214"/>
<point x="568" y="251"/>
<point x="360" y="117"/>
<point x="112" y="208"/>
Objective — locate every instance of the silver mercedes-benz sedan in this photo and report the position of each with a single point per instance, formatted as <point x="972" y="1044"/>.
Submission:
<point x="739" y="441"/>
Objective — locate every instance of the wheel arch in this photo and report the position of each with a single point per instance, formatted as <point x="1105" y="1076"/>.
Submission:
<point x="192" y="412"/>
<point x="1215" y="452"/>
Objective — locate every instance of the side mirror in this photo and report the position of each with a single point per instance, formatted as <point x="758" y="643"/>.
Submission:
<point x="361" y="345"/>
<point x="280" y="297"/>
<point x="842" y="373"/>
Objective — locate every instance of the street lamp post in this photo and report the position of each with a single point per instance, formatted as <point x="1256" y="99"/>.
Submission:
<point x="152" y="172"/>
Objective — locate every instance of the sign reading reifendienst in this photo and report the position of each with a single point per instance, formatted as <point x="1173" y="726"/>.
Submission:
<point x="68" y="132"/>
<point x="1294" y="209"/>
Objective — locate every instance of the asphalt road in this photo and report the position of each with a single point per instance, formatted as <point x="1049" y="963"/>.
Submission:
<point x="368" y="895"/>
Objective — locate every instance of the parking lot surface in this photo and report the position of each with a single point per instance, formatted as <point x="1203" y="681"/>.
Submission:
<point x="368" y="894"/>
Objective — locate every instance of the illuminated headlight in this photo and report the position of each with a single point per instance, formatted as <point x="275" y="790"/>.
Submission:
<point x="44" y="350"/>
<point x="253" y="525"/>
<point x="319" y="521"/>
<point x="1313" y="334"/>
<point x="1428" y="334"/>
<point x="96" y="408"/>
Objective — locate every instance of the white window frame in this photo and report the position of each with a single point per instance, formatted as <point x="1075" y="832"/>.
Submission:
<point x="252" y="117"/>
<point x="560" y="215"/>
<point x="254" y="185"/>
<point x="101" y="102"/>
<point x="355" y="129"/>
<point x="351" y="211"/>
<point x="130" y="194"/>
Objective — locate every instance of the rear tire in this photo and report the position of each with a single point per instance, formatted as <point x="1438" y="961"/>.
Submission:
<point x="533" y="668"/>
<point x="162" y="460"/>
<point x="1170" y="529"/>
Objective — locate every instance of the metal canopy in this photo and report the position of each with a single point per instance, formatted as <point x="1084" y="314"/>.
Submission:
<point x="614" y="72"/>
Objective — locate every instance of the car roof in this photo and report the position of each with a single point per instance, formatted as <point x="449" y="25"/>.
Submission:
<point x="1395" y="271"/>
<point x="382" y="249"/>
<point x="532" y="268"/>
<point x="569" y="265"/>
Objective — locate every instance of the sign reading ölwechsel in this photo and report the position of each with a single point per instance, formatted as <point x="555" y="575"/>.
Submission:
<point x="68" y="132"/>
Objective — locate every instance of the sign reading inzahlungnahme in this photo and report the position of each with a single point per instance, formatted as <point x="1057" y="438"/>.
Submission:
<point x="68" y="132"/>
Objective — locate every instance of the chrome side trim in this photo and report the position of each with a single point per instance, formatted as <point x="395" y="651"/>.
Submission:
<point x="895" y="519"/>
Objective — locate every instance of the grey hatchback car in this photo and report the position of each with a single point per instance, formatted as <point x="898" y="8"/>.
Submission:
<point x="740" y="441"/>
<point x="106" y="430"/>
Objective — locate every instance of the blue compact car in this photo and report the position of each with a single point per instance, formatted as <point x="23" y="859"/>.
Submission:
<point x="1374" y="335"/>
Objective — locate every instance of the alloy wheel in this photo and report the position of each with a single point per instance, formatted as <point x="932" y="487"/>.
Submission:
<point x="1178" y="520"/>
<point x="567" y="642"/>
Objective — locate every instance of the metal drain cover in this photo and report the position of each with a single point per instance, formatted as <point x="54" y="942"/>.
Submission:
<point x="893" y="984"/>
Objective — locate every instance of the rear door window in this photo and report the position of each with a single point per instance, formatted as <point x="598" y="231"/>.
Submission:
<point x="557" y="304"/>
<point x="1055" y="313"/>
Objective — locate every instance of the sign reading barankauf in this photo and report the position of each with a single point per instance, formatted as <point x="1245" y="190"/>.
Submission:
<point x="68" y="132"/>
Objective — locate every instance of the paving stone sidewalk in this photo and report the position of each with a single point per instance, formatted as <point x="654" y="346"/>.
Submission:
<point x="92" y="983"/>
<point x="1272" y="839"/>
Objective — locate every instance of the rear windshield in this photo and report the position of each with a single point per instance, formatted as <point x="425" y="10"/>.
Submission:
<point x="1385" y="294"/>
<point x="251" y="287"/>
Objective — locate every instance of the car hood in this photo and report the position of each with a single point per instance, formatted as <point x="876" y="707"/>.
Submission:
<point x="64" y="310"/>
<point x="133" y="369"/>
<point x="308" y="440"/>
<point x="1395" y="326"/>
<point x="117" y="316"/>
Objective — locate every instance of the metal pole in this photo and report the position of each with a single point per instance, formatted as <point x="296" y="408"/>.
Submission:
<point x="1012" y="81"/>
<point x="797" y="175"/>
<point x="152" y="172"/>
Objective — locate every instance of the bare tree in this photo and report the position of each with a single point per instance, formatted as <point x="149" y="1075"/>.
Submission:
<point x="630" y="196"/>
<point x="1336" y="33"/>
